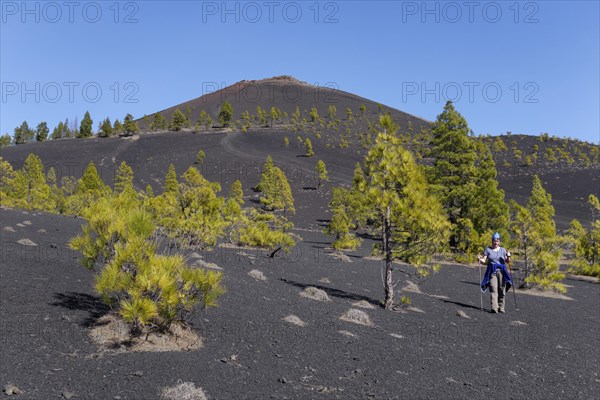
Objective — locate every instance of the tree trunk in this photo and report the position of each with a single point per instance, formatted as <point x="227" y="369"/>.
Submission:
<point x="389" y="288"/>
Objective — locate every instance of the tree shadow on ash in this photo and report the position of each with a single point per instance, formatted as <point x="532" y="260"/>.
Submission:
<point x="458" y="303"/>
<point x="315" y="243"/>
<point x="342" y="294"/>
<point x="82" y="302"/>
<point x="470" y="283"/>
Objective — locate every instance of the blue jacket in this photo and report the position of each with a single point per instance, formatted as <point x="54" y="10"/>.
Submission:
<point x="491" y="269"/>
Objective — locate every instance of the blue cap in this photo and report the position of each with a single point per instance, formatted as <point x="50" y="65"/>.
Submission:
<point x="495" y="236"/>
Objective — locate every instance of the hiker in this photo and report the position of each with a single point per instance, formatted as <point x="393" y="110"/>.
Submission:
<point x="496" y="278"/>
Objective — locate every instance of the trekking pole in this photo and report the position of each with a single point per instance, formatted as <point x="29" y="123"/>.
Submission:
<point x="480" y="292"/>
<point x="513" y="286"/>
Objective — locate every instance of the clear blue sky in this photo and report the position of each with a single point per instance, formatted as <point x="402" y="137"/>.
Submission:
<point x="542" y="55"/>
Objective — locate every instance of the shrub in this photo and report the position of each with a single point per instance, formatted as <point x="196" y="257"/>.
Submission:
<point x="200" y="157"/>
<point x="147" y="289"/>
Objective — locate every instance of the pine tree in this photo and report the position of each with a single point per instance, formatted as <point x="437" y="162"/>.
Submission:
<point x="200" y="157"/>
<point x="412" y="223"/>
<point x="488" y="210"/>
<point x="542" y="211"/>
<point x="41" y="132"/>
<point x="332" y="112"/>
<point x="130" y="126"/>
<point x="264" y="230"/>
<point x="194" y="214"/>
<point x="57" y="193"/>
<point x="171" y="184"/>
<point x="28" y="133"/>
<point x="285" y="191"/>
<point x="105" y="129"/>
<point x="309" y="148"/>
<point x="57" y="131"/>
<point x="150" y="291"/>
<point x="322" y="175"/>
<point x="521" y="227"/>
<point x="205" y="120"/>
<point x="340" y="226"/>
<point x="124" y="178"/>
<point x="358" y="180"/>
<point x="234" y="219"/>
<point x="499" y="146"/>
<point x="409" y="219"/>
<point x="266" y="175"/>
<point x="314" y="115"/>
<point x="31" y="191"/>
<point x="68" y="186"/>
<point x="177" y="121"/>
<point x="159" y="123"/>
<point x="149" y="191"/>
<point x="296" y="115"/>
<point x="23" y="134"/>
<point x="85" y="191"/>
<point x="271" y="198"/>
<point x="346" y="206"/>
<point x="586" y="242"/>
<point x="146" y="123"/>
<point x="51" y="177"/>
<point x="91" y="181"/>
<point x="85" y="129"/>
<point x="536" y="231"/>
<point x="275" y="115"/>
<point x="199" y="220"/>
<point x="225" y="114"/>
<point x="7" y="176"/>
<point x="276" y="190"/>
<point x="349" y="114"/>
<point x="197" y="127"/>
<point x="262" y="116"/>
<point x="246" y="118"/>
<point x="236" y="193"/>
<point x="454" y="174"/>
<point x="5" y="140"/>
<point x="117" y="127"/>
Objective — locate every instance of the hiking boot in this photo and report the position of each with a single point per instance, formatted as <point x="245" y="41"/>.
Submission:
<point x="502" y="310"/>
<point x="494" y="311"/>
